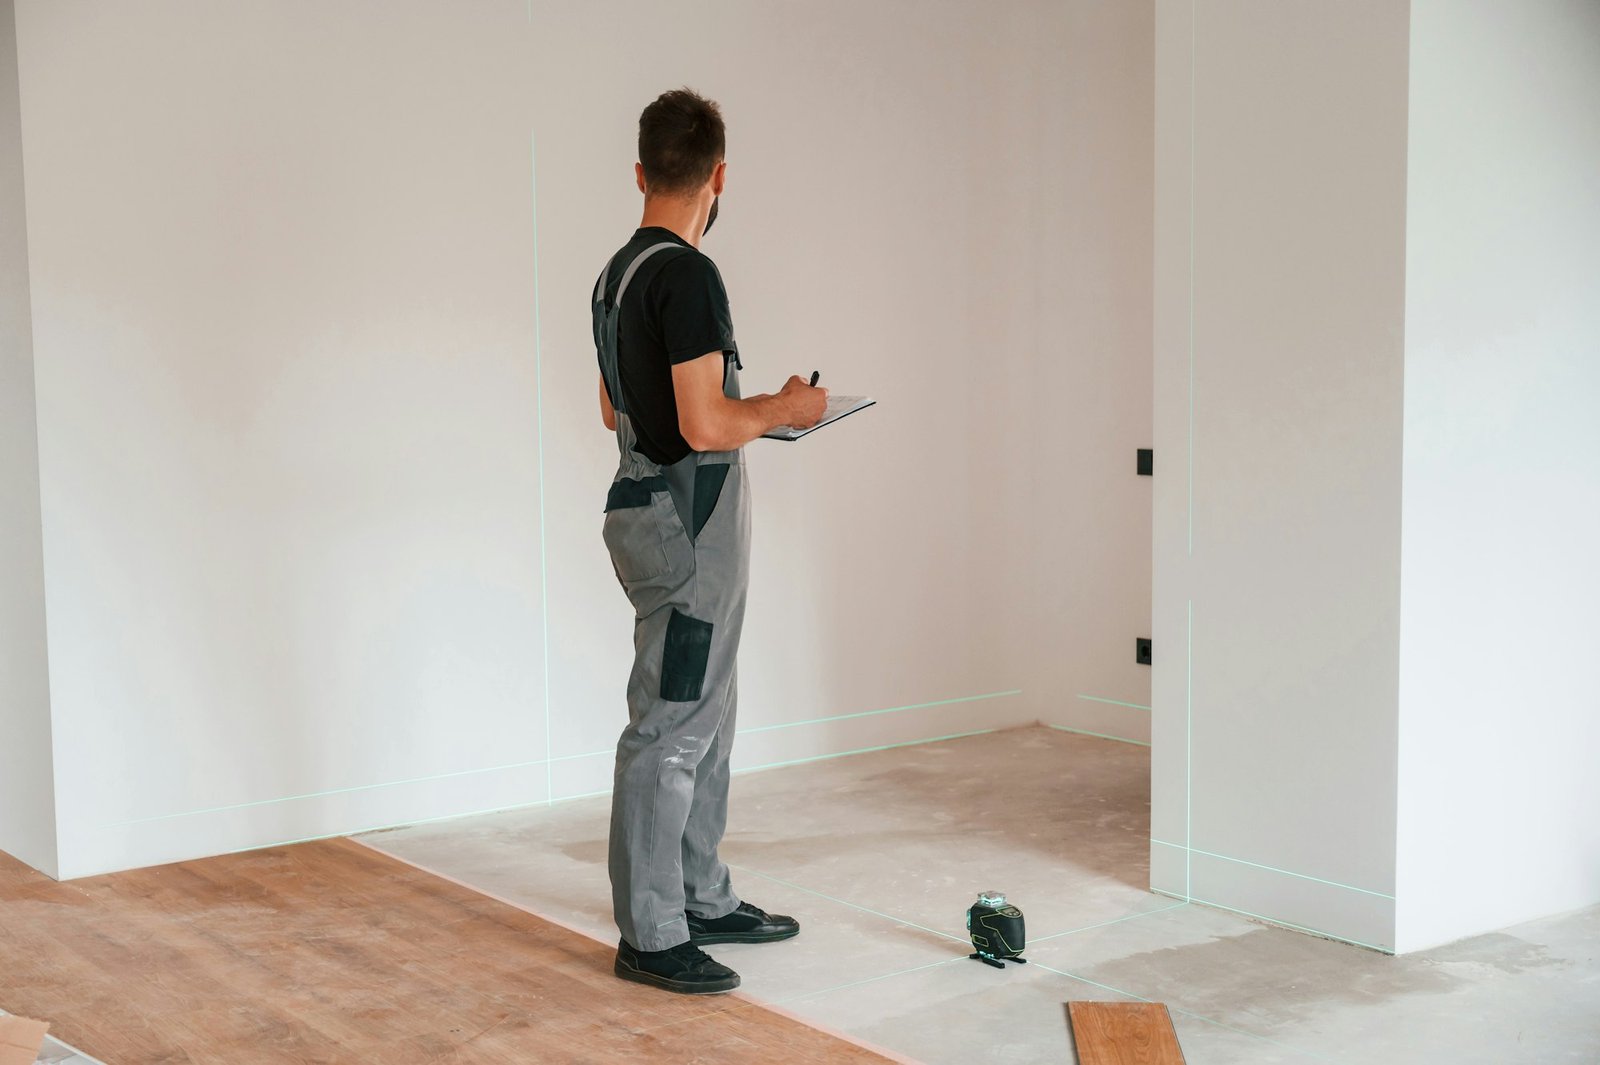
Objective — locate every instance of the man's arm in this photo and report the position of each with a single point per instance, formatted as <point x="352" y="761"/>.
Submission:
<point x="710" y="421"/>
<point x="607" y="415"/>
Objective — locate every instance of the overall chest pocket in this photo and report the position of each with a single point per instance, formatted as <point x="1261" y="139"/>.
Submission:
<point x="640" y="517"/>
<point x="708" y="481"/>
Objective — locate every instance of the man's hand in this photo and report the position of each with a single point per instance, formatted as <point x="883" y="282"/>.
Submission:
<point x="807" y="404"/>
<point x="710" y="421"/>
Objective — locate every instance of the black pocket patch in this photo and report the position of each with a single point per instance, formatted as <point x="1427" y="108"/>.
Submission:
<point x="708" y="481"/>
<point x="684" y="659"/>
<point x="626" y="494"/>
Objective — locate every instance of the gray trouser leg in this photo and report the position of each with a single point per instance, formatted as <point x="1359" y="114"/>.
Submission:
<point x="670" y="799"/>
<point x="707" y="888"/>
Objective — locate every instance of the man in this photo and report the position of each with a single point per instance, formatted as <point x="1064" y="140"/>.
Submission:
<point x="677" y="526"/>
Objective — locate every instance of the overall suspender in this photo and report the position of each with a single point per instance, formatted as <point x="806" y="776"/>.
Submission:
<point x="611" y="316"/>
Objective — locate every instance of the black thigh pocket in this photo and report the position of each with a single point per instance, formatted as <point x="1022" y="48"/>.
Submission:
<point x="635" y="535"/>
<point x="684" y="658"/>
<point x="708" y="481"/>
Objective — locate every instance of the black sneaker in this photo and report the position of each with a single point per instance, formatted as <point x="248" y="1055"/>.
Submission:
<point x="747" y="924"/>
<point x="686" y="969"/>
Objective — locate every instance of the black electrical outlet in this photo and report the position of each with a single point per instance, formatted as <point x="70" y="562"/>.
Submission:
<point x="1147" y="461"/>
<point x="1142" y="651"/>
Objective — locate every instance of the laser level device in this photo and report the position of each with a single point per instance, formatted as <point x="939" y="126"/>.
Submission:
<point x="996" y="929"/>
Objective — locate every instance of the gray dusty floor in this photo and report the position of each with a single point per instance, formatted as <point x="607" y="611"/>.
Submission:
<point x="879" y="855"/>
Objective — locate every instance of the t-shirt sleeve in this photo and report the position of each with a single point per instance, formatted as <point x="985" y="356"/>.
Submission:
<point x="693" y="309"/>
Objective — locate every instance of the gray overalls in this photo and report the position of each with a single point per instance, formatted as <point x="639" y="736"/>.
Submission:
<point x="679" y="538"/>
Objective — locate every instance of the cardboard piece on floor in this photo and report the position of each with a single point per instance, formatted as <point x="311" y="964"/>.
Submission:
<point x="20" y="1040"/>
<point x="1124" y="1033"/>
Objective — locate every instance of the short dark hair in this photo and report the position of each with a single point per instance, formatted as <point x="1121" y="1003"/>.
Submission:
<point x="681" y="141"/>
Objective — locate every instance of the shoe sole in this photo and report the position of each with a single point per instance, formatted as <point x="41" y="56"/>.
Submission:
<point x="639" y="976"/>
<point x="713" y="938"/>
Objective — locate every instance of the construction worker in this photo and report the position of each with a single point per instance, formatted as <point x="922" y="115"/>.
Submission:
<point x="677" y="526"/>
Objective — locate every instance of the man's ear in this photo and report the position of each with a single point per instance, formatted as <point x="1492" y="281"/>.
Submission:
<point x="719" y="177"/>
<point x="638" y="175"/>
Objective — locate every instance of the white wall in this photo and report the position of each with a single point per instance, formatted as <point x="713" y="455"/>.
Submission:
<point x="856" y="238"/>
<point x="1280" y="208"/>
<point x="1377" y="320"/>
<point x="318" y="443"/>
<point x="1080" y="323"/>
<point x="1500" y="682"/>
<point x="283" y="326"/>
<point x="27" y="786"/>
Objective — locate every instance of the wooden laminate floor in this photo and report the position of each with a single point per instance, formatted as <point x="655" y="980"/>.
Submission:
<point x="330" y="952"/>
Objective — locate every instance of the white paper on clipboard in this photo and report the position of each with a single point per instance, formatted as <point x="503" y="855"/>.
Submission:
<point x="838" y="407"/>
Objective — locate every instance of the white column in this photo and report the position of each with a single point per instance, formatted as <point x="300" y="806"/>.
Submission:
<point x="1499" y="806"/>
<point x="1280" y="222"/>
<point x="1377" y="710"/>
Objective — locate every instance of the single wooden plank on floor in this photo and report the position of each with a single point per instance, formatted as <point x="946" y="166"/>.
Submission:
<point x="1124" y="1033"/>
<point x="20" y="1040"/>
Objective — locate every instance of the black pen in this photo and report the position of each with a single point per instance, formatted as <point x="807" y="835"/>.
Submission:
<point x="814" y="375"/>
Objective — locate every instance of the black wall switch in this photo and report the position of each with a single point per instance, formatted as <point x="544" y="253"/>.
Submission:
<point x="1147" y="461"/>
<point x="1142" y="651"/>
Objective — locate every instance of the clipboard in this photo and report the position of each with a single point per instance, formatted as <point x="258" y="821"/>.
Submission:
<point x="838" y="407"/>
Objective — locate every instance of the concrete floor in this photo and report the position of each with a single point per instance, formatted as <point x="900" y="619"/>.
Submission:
<point x="879" y="855"/>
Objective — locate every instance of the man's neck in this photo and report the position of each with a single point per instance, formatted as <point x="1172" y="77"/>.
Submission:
<point x="686" y="218"/>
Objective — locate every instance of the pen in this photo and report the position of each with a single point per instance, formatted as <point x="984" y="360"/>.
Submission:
<point x="814" y="375"/>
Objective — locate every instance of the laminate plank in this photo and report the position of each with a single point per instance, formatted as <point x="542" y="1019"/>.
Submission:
<point x="1124" y="1033"/>
<point x="328" y="953"/>
<point x="21" y="1039"/>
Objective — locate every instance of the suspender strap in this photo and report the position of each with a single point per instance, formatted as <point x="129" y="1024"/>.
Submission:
<point x="633" y="268"/>
<point x="607" y="318"/>
<point x="627" y="276"/>
<point x="600" y="285"/>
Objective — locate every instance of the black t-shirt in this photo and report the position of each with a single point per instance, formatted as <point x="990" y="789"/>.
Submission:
<point x="675" y="310"/>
